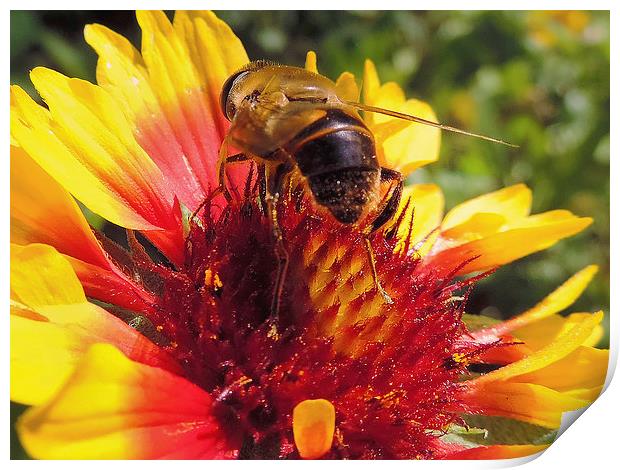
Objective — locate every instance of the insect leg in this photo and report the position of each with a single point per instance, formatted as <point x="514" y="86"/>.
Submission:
<point x="262" y="187"/>
<point x="223" y="161"/>
<point x="391" y="205"/>
<point x="274" y="188"/>
<point x="373" y="268"/>
<point x="389" y="209"/>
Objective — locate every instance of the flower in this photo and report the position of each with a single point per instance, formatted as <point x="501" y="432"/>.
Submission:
<point x="546" y="28"/>
<point x="161" y="347"/>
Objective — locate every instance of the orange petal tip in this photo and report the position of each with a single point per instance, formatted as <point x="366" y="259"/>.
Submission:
<point x="314" y="423"/>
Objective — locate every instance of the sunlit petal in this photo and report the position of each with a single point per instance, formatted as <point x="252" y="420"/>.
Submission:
<point x="408" y="148"/>
<point x="48" y="304"/>
<point x="114" y="408"/>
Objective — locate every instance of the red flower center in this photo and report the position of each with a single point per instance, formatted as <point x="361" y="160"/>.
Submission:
<point x="387" y="369"/>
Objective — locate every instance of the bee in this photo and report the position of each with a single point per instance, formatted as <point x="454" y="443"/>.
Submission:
<point x="291" y="120"/>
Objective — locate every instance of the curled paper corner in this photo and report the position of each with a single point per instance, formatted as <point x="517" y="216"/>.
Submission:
<point x="568" y="418"/>
<point x="516" y="462"/>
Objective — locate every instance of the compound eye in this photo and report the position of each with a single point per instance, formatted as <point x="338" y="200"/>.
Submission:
<point x="226" y="104"/>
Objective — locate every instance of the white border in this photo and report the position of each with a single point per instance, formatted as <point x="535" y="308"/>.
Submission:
<point x="314" y="5"/>
<point x="592" y="443"/>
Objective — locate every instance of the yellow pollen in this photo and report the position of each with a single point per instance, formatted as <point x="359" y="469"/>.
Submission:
<point x="314" y="423"/>
<point x="459" y="358"/>
<point x="212" y="280"/>
<point x="390" y="398"/>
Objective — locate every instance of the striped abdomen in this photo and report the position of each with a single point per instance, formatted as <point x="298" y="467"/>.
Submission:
<point x="337" y="156"/>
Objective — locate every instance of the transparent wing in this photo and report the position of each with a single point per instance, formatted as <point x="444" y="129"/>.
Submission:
<point x="270" y="121"/>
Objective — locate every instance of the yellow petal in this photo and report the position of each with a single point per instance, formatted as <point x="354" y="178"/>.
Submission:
<point x="122" y="72"/>
<point x="187" y="85"/>
<point x="541" y="316"/>
<point x="386" y="129"/>
<point x="503" y="247"/>
<point x="216" y="53"/>
<point x="523" y="401"/>
<point x="558" y="300"/>
<point x="416" y="146"/>
<point x="167" y="58"/>
<point x="370" y="86"/>
<point x="513" y="202"/>
<point x="479" y="225"/>
<point x="406" y="149"/>
<point x="588" y="394"/>
<point x="565" y="343"/>
<point x="584" y="368"/>
<point x="43" y="212"/>
<point x="52" y="325"/>
<point x="311" y="62"/>
<point x="314" y="423"/>
<point x="389" y="95"/>
<point x="496" y="228"/>
<point x="120" y="65"/>
<point x="86" y="144"/>
<point x="41" y="278"/>
<point x="41" y="359"/>
<point x="548" y="217"/>
<point x="31" y="126"/>
<point x="346" y="87"/>
<point x="423" y="202"/>
<point x="539" y="334"/>
<point x="595" y="338"/>
<point x="114" y="408"/>
<point x="213" y="47"/>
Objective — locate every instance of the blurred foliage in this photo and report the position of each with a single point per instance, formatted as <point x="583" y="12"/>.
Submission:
<point x="539" y="79"/>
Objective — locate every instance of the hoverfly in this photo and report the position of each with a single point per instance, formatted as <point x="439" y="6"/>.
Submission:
<point x="289" y="119"/>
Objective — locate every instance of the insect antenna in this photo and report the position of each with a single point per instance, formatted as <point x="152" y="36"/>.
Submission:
<point x="419" y="120"/>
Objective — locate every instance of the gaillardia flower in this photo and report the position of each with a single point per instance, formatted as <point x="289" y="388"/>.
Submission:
<point x="160" y="347"/>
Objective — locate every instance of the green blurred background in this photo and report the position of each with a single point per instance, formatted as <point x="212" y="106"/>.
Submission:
<point x="539" y="79"/>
